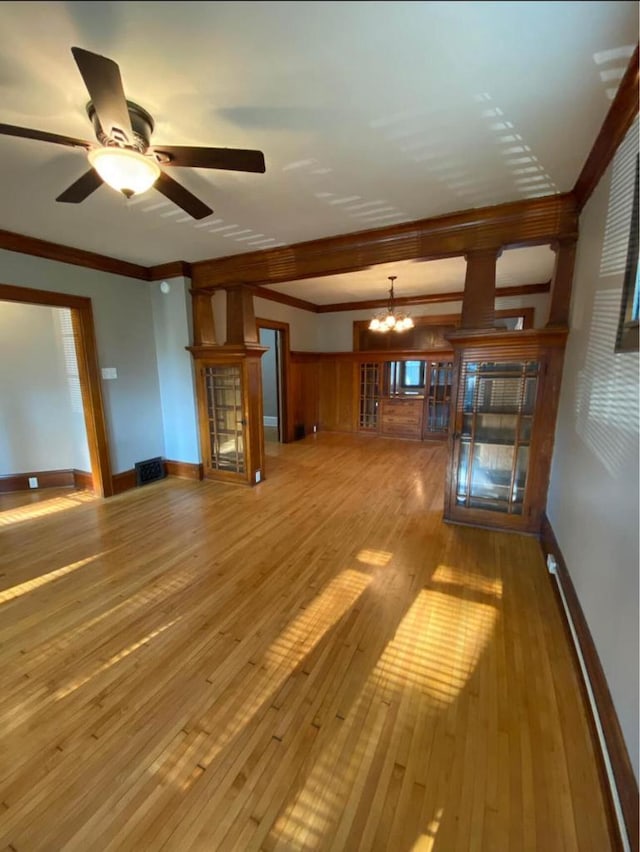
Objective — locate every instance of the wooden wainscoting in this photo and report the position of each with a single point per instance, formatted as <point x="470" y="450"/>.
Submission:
<point x="184" y="470"/>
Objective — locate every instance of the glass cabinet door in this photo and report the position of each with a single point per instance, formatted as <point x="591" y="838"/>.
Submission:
<point x="497" y="416"/>
<point x="369" y="396"/>
<point x="440" y="374"/>
<point x="225" y="418"/>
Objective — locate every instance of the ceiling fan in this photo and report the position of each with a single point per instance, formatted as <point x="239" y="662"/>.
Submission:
<point x="125" y="159"/>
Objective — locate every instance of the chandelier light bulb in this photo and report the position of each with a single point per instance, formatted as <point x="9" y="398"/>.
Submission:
<point x="374" y="325"/>
<point x="390" y="320"/>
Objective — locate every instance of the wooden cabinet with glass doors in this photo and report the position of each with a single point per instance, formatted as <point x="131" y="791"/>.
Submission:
<point x="229" y="392"/>
<point x="504" y="409"/>
<point x="405" y="398"/>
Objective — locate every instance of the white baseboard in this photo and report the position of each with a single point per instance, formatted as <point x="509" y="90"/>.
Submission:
<point x="269" y="421"/>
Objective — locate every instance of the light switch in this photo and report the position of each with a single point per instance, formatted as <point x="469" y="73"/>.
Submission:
<point x="109" y="373"/>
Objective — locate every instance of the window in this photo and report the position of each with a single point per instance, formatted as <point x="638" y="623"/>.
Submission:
<point x="627" y="338"/>
<point x="412" y="374"/>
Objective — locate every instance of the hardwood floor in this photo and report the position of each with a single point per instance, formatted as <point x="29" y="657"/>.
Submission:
<point x="315" y="663"/>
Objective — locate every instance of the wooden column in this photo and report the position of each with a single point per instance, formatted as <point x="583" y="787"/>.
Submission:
<point x="561" y="283"/>
<point x="241" y="319"/>
<point x="204" y="330"/>
<point x="479" y="299"/>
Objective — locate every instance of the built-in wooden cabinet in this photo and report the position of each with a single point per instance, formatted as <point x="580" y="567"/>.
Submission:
<point x="501" y="435"/>
<point x="230" y="412"/>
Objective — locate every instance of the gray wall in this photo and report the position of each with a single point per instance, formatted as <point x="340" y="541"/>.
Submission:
<point x="269" y="373"/>
<point x="172" y="329"/>
<point x="41" y="416"/>
<point x="593" y="496"/>
<point x="125" y="338"/>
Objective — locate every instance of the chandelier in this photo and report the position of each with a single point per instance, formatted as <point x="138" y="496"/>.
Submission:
<point x="390" y="320"/>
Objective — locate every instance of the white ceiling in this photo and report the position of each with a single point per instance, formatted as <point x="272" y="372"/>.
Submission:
<point x="418" y="278"/>
<point x="369" y="113"/>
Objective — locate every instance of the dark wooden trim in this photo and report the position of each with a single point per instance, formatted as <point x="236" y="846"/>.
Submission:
<point x="124" y="481"/>
<point x="625" y="779"/>
<point x="46" y="479"/>
<point x="479" y="339"/>
<point x="519" y="223"/>
<point x="286" y="402"/>
<point x="479" y="299"/>
<point x="562" y="282"/>
<point x="283" y="298"/>
<point x="185" y="470"/>
<point x="429" y="298"/>
<point x="83" y="480"/>
<point x="67" y="254"/>
<point x="88" y="373"/>
<point x="619" y="119"/>
<point x="169" y="270"/>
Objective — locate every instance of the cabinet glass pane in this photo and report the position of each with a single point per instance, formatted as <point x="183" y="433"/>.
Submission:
<point x="369" y="396"/>
<point x="223" y="386"/>
<point x="440" y="375"/>
<point x="497" y="420"/>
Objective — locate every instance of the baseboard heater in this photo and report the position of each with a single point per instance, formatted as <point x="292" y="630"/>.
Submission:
<point x="552" y="567"/>
<point x="150" y="470"/>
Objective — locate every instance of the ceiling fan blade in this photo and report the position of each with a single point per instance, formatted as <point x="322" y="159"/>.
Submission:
<point x="43" y="136"/>
<point x="82" y="188"/>
<point x="102" y="78"/>
<point x="233" y="159"/>
<point x="181" y="196"/>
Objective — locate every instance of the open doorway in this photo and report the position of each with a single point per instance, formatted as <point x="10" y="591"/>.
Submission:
<point x="275" y="337"/>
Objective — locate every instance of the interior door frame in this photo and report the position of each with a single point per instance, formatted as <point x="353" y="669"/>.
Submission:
<point x="286" y="426"/>
<point x="88" y="374"/>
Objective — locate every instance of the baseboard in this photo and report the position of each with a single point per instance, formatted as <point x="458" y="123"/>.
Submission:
<point x="46" y="479"/>
<point x="268" y="420"/>
<point x="618" y="756"/>
<point x="185" y="470"/>
<point x="83" y="480"/>
<point x="124" y="481"/>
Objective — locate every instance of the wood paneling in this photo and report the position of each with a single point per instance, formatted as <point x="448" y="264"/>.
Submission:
<point x="324" y="665"/>
<point x="625" y="779"/>
<point x="401" y="418"/>
<point x="304" y="392"/>
<point x="519" y="223"/>
<point x="204" y="327"/>
<point x="169" y="270"/>
<point x="241" y="320"/>
<point x="428" y="298"/>
<point x="124" y="481"/>
<point x="619" y="119"/>
<point x="66" y="254"/>
<point x="88" y="374"/>
<point x="336" y="395"/>
<point x="46" y="479"/>
<point x="562" y="283"/>
<point x="184" y="470"/>
<point x="479" y="297"/>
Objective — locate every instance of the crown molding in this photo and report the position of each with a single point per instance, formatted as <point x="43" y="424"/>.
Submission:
<point x="619" y="119"/>
<point x="169" y="270"/>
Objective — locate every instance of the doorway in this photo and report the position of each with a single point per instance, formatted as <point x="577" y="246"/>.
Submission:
<point x="275" y="337"/>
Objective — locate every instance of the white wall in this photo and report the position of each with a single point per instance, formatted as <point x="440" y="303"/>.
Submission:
<point x="335" y="330"/>
<point x="41" y="416"/>
<point x="172" y="329"/>
<point x="125" y="339"/>
<point x="593" y="496"/>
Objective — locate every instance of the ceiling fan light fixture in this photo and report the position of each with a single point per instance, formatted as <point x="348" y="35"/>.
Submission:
<point x="126" y="171"/>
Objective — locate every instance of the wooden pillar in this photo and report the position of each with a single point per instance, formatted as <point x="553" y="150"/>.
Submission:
<point x="479" y="299"/>
<point x="241" y="319"/>
<point x="561" y="283"/>
<point x="204" y="330"/>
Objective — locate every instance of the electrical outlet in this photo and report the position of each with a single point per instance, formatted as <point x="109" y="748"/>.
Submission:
<point x="33" y="482"/>
<point x="552" y="565"/>
<point x="315" y="428"/>
<point x="258" y="476"/>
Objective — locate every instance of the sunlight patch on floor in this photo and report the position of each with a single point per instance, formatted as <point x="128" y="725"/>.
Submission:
<point x="467" y="580"/>
<point x="425" y="843"/>
<point x="374" y="557"/>
<point x="36" y="582"/>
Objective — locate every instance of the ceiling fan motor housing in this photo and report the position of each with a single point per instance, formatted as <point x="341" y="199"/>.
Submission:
<point x="141" y="122"/>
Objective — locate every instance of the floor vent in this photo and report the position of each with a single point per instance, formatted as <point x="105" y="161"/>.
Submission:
<point x="149" y="471"/>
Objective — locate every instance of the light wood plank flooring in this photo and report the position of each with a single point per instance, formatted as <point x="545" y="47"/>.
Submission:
<point x="315" y="663"/>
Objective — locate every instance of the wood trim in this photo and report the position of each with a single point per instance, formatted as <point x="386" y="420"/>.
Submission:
<point x="46" y="479"/>
<point x="479" y="300"/>
<point x="185" y="470"/>
<point x="284" y="299"/>
<point x="174" y="269"/>
<point x="519" y="223"/>
<point x="429" y="298"/>
<point x="502" y="341"/>
<point x="67" y="254"/>
<point x="83" y="480"/>
<point x="619" y="119"/>
<point x="124" y="481"/>
<point x="286" y="402"/>
<point x="562" y="282"/>
<point x="627" y="786"/>
<point x="88" y="373"/>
